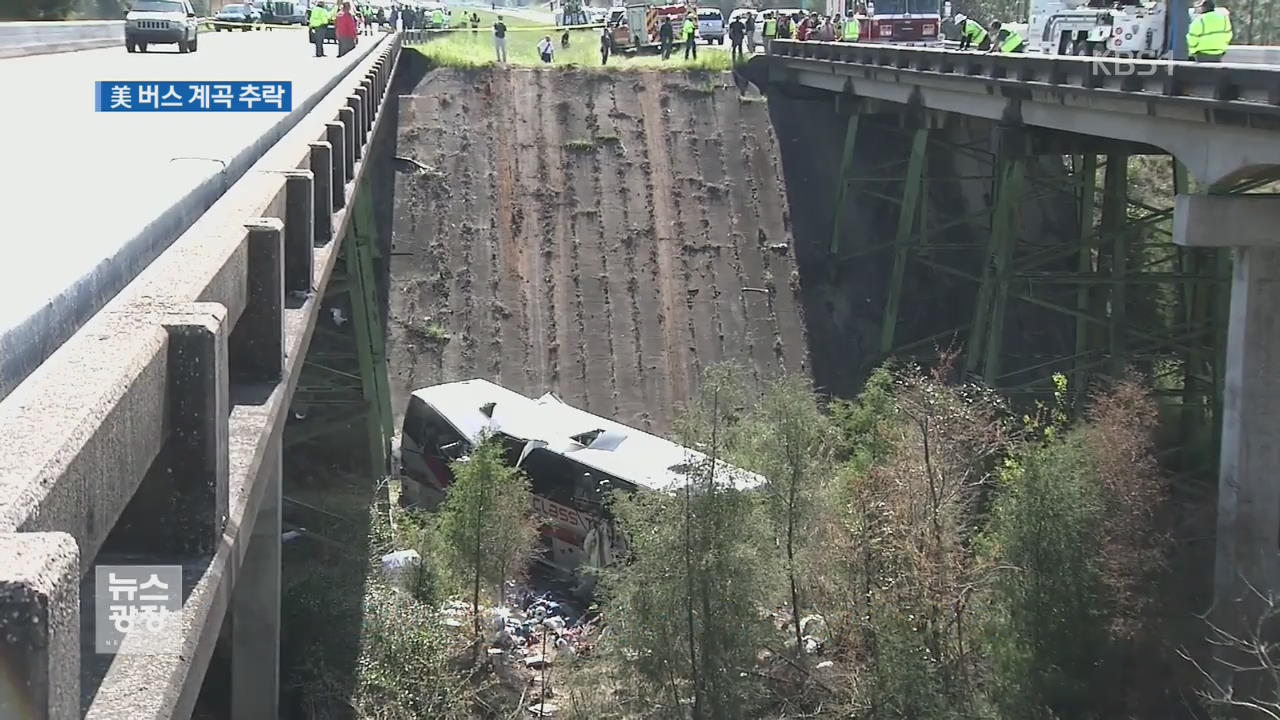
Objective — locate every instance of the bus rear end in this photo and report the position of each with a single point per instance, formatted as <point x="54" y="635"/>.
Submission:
<point x="902" y="22"/>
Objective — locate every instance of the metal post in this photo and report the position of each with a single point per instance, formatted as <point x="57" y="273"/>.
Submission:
<point x="1088" y="169"/>
<point x="1114" y="219"/>
<point x="370" y="349"/>
<point x="902" y="242"/>
<point x="842" y="183"/>
<point x="1004" y="228"/>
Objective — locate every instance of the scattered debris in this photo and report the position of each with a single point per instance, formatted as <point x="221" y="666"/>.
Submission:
<point x="400" y="568"/>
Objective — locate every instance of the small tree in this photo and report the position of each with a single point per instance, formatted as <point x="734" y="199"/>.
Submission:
<point x="789" y="441"/>
<point x="687" y="606"/>
<point x="488" y="535"/>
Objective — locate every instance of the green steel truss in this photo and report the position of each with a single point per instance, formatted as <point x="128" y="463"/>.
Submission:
<point x="1117" y="294"/>
<point x="344" y="380"/>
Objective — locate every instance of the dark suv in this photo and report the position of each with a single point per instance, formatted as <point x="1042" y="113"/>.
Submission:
<point x="161" y="22"/>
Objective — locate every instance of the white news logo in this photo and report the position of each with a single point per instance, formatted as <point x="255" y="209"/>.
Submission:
<point x="1124" y="65"/>
<point x="138" y="609"/>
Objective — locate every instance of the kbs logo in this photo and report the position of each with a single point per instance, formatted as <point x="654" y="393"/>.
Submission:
<point x="1123" y="64"/>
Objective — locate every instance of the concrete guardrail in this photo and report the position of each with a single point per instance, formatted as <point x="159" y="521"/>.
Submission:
<point x="18" y="39"/>
<point x="199" y="354"/>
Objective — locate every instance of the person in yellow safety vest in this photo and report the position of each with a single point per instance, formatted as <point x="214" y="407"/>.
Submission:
<point x="972" y="34"/>
<point x="770" y="31"/>
<point x="317" y="21"/>
<point x="1209" y="34"/>
<point x="689" y="33"/>
<point x="1006" y="40"/>
<point x="851" y="28"/>
<point x="437" y="18"/>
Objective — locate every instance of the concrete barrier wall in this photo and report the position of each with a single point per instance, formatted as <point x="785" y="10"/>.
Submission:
<point x="173" y="398"/>
<point x="37" y="38"/>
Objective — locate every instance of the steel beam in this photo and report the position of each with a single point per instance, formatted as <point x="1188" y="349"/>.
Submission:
<point x="912" y="187"/>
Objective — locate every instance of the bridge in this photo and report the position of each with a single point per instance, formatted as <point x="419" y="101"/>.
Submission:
<point x="157" y="316"/>
<point x="1216" y="251"/>
<point x="148" y="365"/>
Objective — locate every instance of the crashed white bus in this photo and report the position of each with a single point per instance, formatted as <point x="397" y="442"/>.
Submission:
<point x="573" y="459"/>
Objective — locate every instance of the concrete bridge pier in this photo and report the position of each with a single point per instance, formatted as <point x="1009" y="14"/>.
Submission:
<point x="1247" y="564"/>
<point x="255" y="607"/>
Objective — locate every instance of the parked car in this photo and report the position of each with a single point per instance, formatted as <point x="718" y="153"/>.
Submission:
<point x="161" y="22"/>
<point x="243" y="15"/>
<point x="711" y="25"/>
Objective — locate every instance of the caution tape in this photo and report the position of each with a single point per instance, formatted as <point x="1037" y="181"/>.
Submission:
<point x="509" y="28"/>
<point x="251" y="26"/>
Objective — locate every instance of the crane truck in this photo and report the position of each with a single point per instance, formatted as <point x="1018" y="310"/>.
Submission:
<point x="1125" y="28"/>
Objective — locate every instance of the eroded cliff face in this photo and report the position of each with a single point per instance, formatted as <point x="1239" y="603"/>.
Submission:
<point x="601" y="236"/>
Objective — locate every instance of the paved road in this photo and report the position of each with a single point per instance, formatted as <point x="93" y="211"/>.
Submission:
<point x="76" y="186"/>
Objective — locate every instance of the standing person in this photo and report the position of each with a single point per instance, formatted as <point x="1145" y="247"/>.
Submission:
<point x="1006" y="40"/>
<point x="475" y="23"/>
<point x="750" y="28"/>
<point x="345" y="29"/>
<point x="851" y="28"/>
<point x="666" y="35"/>
<point x="545" y="49"/>
<point x="606" y="45"/>
<point x="317" y="21"/>
<point x="500" y="40"/>
<point x="1210" y="33"/>
<point x="737" y="31"/>
<point x="770" y="30"/>
<point x="689" y="33"/>
<point x="972" y="34"/>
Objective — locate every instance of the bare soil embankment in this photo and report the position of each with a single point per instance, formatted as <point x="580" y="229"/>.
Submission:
<point x="601" y="236"/>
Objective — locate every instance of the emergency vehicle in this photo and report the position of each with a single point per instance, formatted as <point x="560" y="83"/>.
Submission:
<point x="635" y="26"/>
<point x="900" y="22"/>
<point x="573" y="460"/>
<point x="1129" y="28"/>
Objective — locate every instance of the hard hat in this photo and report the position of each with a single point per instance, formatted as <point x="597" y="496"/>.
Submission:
<point x="960" y="17"/>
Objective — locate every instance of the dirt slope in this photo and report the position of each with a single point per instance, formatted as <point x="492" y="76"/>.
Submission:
<point x="601" y="236"/>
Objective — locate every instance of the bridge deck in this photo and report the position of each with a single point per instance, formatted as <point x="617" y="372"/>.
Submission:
<point x="90" y="198"/>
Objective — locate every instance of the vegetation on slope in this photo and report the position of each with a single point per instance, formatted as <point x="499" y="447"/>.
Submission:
<point x="947" y="560"/>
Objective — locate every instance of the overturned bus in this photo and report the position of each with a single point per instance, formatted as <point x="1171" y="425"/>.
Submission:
<point x="573" y="460"/>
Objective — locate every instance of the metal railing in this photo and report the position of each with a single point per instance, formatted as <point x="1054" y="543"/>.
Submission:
<point x="1255" y="86"/>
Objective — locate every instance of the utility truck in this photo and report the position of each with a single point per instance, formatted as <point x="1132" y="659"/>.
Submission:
<point x="573" y="460"/>
<point x="1125" y="28"/>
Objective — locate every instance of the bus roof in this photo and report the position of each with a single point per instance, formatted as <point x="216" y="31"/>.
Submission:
<point x="610" y="447"/>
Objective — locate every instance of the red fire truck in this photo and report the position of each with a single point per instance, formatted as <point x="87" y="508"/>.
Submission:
<point x="900" y="22"/>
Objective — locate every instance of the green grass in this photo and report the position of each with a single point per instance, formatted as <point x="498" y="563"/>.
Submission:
<point x="475" y="50"/>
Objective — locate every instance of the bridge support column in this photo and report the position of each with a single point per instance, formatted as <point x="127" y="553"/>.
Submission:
<point x="987" y="335"/>
<point x="1246" y="565"/>
<point x="255" y="609"/>
<point x="912" y="192"/>
<point x="40" y="626"/>
<point x="842" y="183"/>
<point x="370" y="346"/>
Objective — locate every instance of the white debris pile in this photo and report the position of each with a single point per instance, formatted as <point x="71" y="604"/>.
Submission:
<point x="400" y="568"/>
